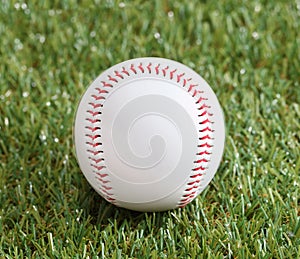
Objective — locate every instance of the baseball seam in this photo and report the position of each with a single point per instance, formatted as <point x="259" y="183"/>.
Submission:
<point x="93" y="127"/>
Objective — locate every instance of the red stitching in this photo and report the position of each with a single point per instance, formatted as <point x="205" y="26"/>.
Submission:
<point x="205" y="145"/>
<point x="102" y="175"/>
<point x="189" y="195"/>
<point x="205" y="137"/>
<point x="192" y="195"/>
<point x="201" y="168"/>
<point x="172" y="73"/>
<point x="98" y="97"/>
<point x="106" y="192"/>
<point x="182" y="205"/>
<point x="124" y="71"/>
<point x="107" y="187"/>
<point x="203" y="106"/>
<point x="119" y="75"/>
<point x="195" y="182"/>
<point x="206" y="129"/>
<point x="110" y="78"/>
<point x="149" y="68"/>
<point x="93" y="113"/>
<point x="186" y="199"/>
<point x="191" y="87"/>
<point x="205" y="152"/>
<point x="195" y="176"/>
<point x="96" y="105"/>
<point x="205" y="113"/>
<point x="97" y="161"/>
<point x="195" y="92"/>
<point x="101" y="180"/>
<point x="92" y="129"/>
<point x="141" y="67"/>
<point x="185" y="202"/>
<point x="93" y="144"/>
<point x="201" y="99"/>
<point x="92" y="137"/>
<point x="201" y="160"/>
<point x="101" y="91"/>
<point x="164" y="70"/>
<point x="191" y="188"/>
<point x="132" y="68"/>
<point x="94" y="152"/>
<point x="179" y="77"/>
<point x="205" y="121"/>
<point x="104" y="84"/>
<point x="185" y="81"/>
<point x="93" y="121"/>
<point x="99" y="168"/>
<point x="157" y="69"/>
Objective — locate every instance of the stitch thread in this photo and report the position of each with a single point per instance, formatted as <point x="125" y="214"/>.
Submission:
<point x="164" y="70"/>
<point x="179" y="77"/>
<point x="105" y="84"/>
<point x="157" y="69"/>
<point x="95" y="105"/>
<point x="110" y="78"/>
<point x="119" y="75"/>
<point x="149" y="68"/>
<point x="205" y="152"/>
<point x="124" y="71"/>
<point x="141" y="67"/>
<point x="101" y="91"/>
<point x="172" y="73"/>
<point x="132" y="68"/>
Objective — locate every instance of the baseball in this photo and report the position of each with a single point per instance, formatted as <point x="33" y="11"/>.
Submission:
<point x="149" y="134"/>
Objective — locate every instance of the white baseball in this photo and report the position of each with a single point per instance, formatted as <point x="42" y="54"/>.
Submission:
<point x="149" y="134"/>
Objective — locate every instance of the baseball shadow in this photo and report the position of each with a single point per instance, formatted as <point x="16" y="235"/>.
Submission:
<point x="102" y="213"/>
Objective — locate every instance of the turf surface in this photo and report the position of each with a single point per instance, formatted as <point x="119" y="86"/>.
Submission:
<point x="247" y="50"/>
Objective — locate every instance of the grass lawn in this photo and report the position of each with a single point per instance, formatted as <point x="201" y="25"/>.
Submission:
<point x="248" y="51"/>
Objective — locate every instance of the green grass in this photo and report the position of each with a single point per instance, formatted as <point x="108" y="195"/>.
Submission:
<point x="249" y="52"/>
